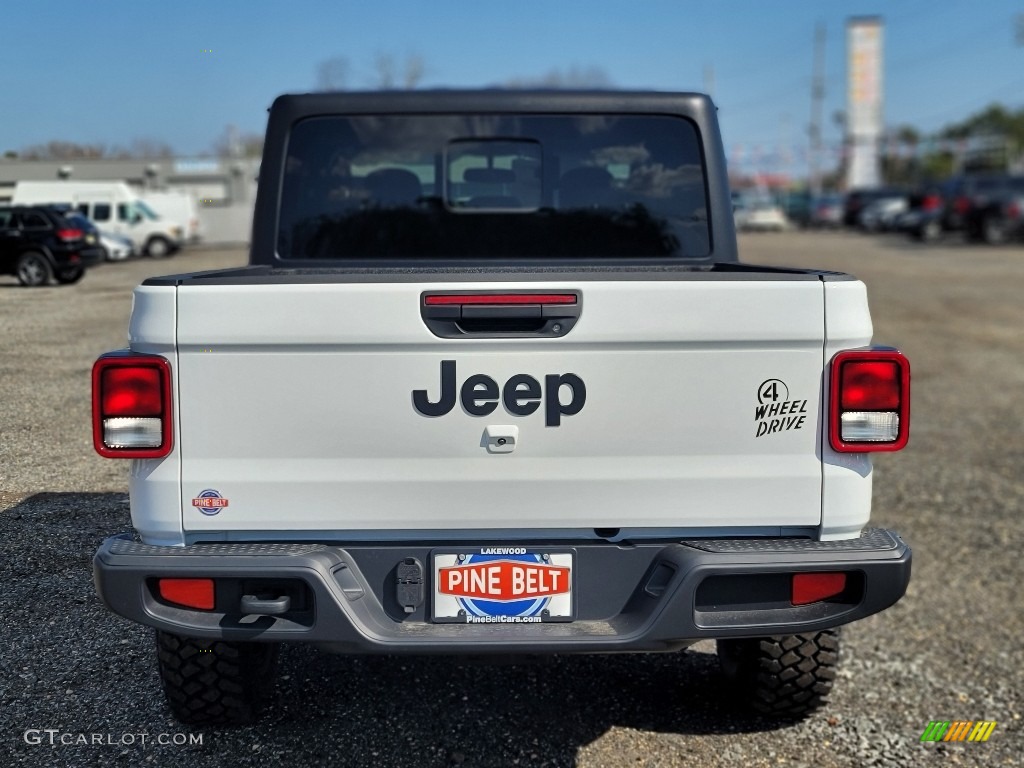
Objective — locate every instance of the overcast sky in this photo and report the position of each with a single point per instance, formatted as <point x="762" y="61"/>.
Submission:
<point x="179" y="71"/>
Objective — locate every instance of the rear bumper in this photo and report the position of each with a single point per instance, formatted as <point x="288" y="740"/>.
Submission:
<point x="643" y="597"/>
<point x="86" y="256"/>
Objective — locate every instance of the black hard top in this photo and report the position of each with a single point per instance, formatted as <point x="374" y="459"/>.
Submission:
<point x="292" y="107"/>
<point x="289" y="109"/>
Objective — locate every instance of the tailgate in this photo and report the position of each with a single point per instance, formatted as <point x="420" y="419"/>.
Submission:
<point x="701" y="409"/>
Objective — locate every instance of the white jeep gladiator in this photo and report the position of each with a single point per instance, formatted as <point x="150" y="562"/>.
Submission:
<point x="495" y="381"/>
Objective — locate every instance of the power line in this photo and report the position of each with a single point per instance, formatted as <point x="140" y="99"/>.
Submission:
<point x="817" y="103"/>
<point x="941" y="51"/>
<point x="972" y="104"/>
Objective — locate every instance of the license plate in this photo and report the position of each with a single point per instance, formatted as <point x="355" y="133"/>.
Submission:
<point x="503" y="585"/>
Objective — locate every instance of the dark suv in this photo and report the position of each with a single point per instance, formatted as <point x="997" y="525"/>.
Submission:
<point x="985" y="214"/>
<point x="38" y="244"/>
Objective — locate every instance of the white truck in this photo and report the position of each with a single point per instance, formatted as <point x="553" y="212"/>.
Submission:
<point x="113" y="207"/>
<point x="496" y="382"/>
<point x="180" y="209"/>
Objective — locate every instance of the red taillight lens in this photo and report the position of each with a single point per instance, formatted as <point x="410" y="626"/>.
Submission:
<point x="68" y="235"/>
<point x="813" y="587"/>
<point x="870" y="401"/>
<point x="191" y="593"/>
<point x="131" y="406"/>
<point x="961" y="205"/>
<point x="931" y="203"/>
<point x="869" y="386"/>
<point x="131" y="391"/>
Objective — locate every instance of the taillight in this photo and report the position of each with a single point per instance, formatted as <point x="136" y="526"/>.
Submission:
<point x="131" y="406"/>
<point x="961" y="205"/>
<point x="69" y="235"/>
<point x="931" y="203"/>
<point x="443" y="299"/>
<point x="870" y="401"/>
<point x="1013" y="210"/>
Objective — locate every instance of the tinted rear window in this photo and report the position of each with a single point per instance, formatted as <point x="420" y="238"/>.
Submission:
<point x="32" y="220"/>
<point x="493" y="187"/>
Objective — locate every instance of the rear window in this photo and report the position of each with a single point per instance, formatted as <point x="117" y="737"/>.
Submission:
<point x="493" y="187"/>
<point x="31" y="220"/>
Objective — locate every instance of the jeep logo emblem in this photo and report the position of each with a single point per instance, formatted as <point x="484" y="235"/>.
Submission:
<point x="521" y="395"/>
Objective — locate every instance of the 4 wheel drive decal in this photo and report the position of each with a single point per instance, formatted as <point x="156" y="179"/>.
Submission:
<point x="521" y="395"/>
<point x="775" y="412"/>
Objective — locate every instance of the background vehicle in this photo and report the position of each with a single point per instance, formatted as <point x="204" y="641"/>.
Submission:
<point x="880" y="215"/>
<point x="797" y="206"/>
<point x="962" y="195"/>
<point x="90" y="232"/>
<point x="857" y="200"/>
<point x="827" y="211"/>
<point x="758" y="211"/>
<point x="38" y="244"/>
<point x="117" y="247"/>
<point x="114" y="247"/>
<point x="1013" y="213"/>
<point x="112" y="206"/>
<point x="179" y="208"/>
<point x="922" y="219"/>
<point x="482" y="394"/>
<point x="985" y="215"/>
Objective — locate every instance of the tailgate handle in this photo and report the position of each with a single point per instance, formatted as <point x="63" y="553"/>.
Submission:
<point x="500" y="314"/>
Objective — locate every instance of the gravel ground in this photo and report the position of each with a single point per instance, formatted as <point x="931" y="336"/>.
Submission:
<point x="950" y="650"/>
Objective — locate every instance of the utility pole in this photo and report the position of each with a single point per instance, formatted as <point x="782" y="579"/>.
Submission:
<point x="817" y="104"/>
<point x="709" y="80"/>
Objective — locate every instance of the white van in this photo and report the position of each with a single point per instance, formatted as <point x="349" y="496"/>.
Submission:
<point x="178" y="208"/>
<point x="113" y="206"/>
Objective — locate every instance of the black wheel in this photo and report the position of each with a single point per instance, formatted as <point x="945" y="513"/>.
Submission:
<point x="214" y="682"/>
<point x="158" y="247"/>
<point x="787" y="676"/>
<point x="931" y="231"/>
<point x="70" y="275"/>
<point x="33" y="269"/>
<point x="993" y="230"/>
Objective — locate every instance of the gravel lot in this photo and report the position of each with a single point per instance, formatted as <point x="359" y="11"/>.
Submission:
<point x="950" y="650"/>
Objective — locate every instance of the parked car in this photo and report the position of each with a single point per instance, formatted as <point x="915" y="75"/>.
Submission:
<point x="922" y="219"/>
<point x="1014" y="210"/>
<point x="114" y="247"/>
<point x="985" y="218"/>
<point x="827" y="211"/>
<point x="755" y="212"/>
<point x="858" y="199"/>
<point x="797" y="207"/>
<point x="38" y="244"/>
<point x="117" y="247"/>
<point x="1001" y="221"/>
<point x="962" y="195"/>
<point x="881" y="214"/>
